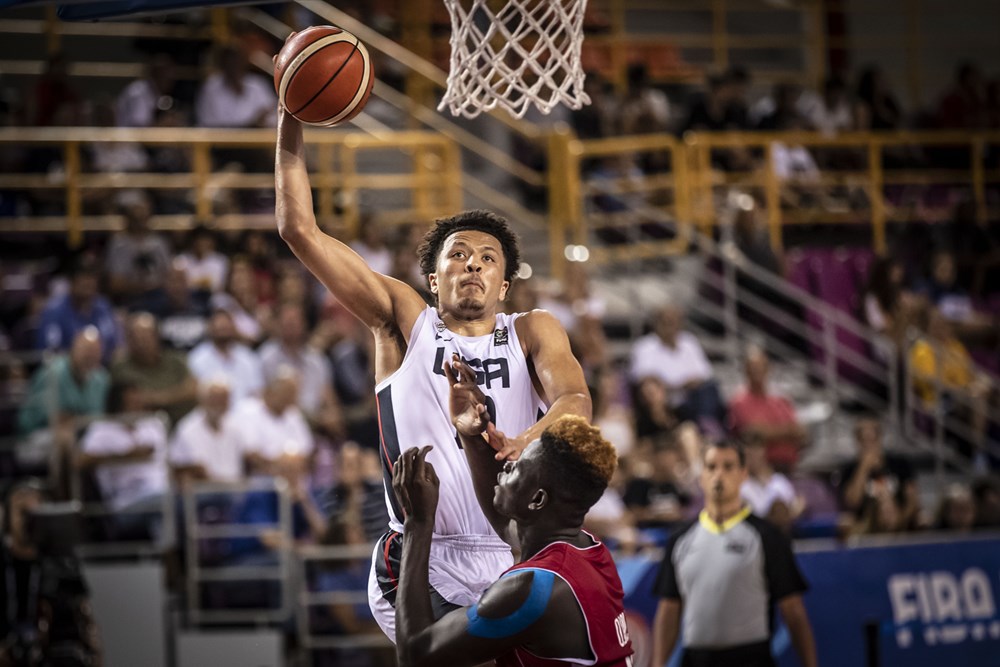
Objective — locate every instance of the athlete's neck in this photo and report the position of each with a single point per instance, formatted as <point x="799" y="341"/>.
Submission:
<point x="479" y="326"/>
<point x="535" y="538"/>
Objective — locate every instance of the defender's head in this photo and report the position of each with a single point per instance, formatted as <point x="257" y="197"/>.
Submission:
<point x="559" y="476"/>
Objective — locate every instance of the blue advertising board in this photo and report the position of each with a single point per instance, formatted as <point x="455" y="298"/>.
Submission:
<point x="933" y="603"/>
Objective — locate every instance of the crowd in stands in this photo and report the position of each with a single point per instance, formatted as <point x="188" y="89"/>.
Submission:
<point x="208" y="355"/>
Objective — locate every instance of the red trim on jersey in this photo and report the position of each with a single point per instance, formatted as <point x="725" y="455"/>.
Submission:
<point x="385" y="556"/>
<point x="381" y="438"/>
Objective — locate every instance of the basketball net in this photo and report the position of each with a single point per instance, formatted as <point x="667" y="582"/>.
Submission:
<point x="527" y="52"/>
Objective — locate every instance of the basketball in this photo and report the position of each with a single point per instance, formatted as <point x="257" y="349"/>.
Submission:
<point x="323" y="76"/>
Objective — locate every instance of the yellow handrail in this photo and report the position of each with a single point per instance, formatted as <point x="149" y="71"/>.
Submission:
<point x="433" y="175"/>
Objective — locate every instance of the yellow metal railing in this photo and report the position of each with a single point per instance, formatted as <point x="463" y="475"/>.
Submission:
<point x="885" y="182"/>
<point x="430" y="170"/>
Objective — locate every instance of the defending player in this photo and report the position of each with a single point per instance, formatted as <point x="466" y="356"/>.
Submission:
<point x="563" y="602"/>
<point x="523" y="363"/>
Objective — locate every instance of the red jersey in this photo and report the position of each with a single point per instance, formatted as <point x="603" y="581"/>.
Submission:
<point x="593" y="577"/>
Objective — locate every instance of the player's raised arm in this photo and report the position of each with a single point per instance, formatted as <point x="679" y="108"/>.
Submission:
<point x="378" y="301"/>
<point x="471" y="420"/>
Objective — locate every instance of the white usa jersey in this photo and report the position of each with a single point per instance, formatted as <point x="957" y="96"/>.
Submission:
<point x="413" y="411"/>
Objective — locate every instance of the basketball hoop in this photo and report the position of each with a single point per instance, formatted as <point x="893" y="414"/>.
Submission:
<point x="527" y="52"/>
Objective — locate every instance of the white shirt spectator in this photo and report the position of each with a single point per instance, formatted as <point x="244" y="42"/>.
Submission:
<point x="761" y="497"/>
<point x="136" y="105"/>
<point x="313" y="371"/>
<point x="831" y="121"/>
<point x="218" y="105"/>
<point x="246" y="324"/>
<point x="125" y="484"/>
<point x="675" y="367"/>
<point x="218" y="452"/>
<point x="239" y="368"/>
<point x="269" y="435"/>
<point x="794" y="162"/>
<point x="205" y="273"/>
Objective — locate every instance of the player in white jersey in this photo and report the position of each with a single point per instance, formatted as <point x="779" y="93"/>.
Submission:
<point x="523" y="363"/>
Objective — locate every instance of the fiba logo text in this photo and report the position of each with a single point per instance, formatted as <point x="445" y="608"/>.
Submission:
<point x="943" y="608"/>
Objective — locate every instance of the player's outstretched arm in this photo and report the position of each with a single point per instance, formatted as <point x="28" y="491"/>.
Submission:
<point x="559" y="375"/>
<point x="377" y="300"/>
<point x="471" y="420"/>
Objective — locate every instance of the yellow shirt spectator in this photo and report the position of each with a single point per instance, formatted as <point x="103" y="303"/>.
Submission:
<point x="956" y="367"/>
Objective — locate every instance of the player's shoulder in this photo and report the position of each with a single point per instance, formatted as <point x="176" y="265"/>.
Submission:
<point x="537" y="323"/>
<point x="519" y="590"/>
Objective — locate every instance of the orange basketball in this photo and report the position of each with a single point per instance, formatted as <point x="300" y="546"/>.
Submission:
<point x="323" y="76"/>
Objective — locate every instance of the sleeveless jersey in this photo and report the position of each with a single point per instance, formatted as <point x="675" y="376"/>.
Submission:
<point x="413" y="411"/>
<point x="593" y="577"/>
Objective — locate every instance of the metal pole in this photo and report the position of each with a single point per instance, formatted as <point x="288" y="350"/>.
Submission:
<point x="873" y="657"/>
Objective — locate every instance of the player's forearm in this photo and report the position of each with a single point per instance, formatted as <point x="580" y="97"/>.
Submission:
<point x="413" y="601"/>
<point x="293" y="194"/>
<point x="567" y="404"/>
<point x="484" y="469"/>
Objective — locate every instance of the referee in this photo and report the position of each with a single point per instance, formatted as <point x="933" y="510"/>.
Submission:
<point x="722" y="575"/>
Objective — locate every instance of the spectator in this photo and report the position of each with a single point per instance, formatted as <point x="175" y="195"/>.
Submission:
<point x="756" y="414"/>
<point x="876" y="474"/>
<point x="140" y="101"/>
<point x="66" y="316"/>
<point x="832" y="112"/>
<point x="19" y="559"/>
<point x="161" y="377"/>
<point x="659" y="500"/>
<point x="221" y="357"/>
<point x="883" y="296"/>
<point x="653" y="415"/>
<point x="274" y="436"/>
<point x="939" y="361"/>
<point x="290" y="350"/>
<point x="241" y="301"/>
<point x="880" y="515"/>
<point x="963" y="106"/>
<point x="877" y="108"/>
<point x="67" y="387"/>
<point x="205" y="267"/>
<point x="645" y="109"/>
<point x="206" y="443"/>
<point x="769" y="494"/>
<point x="610" y="413"/>
<point x="784" y="109"/>
<point x="372" y="247"/>
<point x="942" y="289"/>
<point x="986" y="493"/>
<point x="957" y="511"/>
<point x="704" y="583"/>
<point x="676" y="358"/>
<point x="359" y="494"/>
<point x="580" y="312"/>
<point x="129" y="460"/>
<point x="738" y="111"/>
<point x="596" y="120"/>
<point x="711" y="112"/>
<point x="137" y="259"/>
<point x="182" y="313"/>
<point x="233" y="97"/>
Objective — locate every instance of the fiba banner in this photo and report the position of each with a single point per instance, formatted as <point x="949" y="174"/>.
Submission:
<point x="932" y="603"/>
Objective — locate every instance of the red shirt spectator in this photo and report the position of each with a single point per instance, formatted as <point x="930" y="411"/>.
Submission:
<point x="758" y="415"/>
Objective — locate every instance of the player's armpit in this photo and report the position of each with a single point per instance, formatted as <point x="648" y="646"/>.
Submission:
<point x="511" y="613"/>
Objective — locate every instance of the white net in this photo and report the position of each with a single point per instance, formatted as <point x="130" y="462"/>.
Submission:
<point x="522" y="53"/>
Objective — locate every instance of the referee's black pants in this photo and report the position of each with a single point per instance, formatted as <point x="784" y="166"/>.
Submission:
<point x="745" y="655"/>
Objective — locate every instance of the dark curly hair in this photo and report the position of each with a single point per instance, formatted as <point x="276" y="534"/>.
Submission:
<point x="478" y="220"/>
